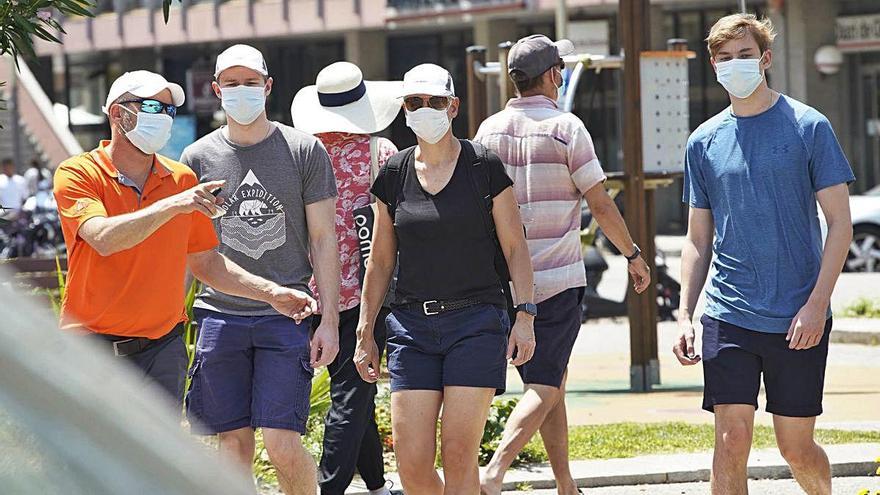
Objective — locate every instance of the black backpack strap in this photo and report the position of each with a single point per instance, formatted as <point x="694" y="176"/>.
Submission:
<point x="395" y="175"/>
<point x="482" y="183"/>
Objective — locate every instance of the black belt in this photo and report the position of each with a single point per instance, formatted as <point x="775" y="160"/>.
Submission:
<point x="441" y="306"/>
<point x="127" y="346"/>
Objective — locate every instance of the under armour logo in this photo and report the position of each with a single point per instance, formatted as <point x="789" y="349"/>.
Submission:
<point x="781" y="148"/>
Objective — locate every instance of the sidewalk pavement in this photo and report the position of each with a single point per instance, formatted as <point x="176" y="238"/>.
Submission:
<point x="851" y="485"/>
<point x="846" y="460"/>
<point x="865" y="331"/>
<point x="598" y="384"/>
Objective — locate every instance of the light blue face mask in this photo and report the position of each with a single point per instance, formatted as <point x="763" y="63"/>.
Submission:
<point x="561" y="89"/>
<point x="243" y="104"/>
<point x="151" y="132"/>
<point x="740" y="77"/>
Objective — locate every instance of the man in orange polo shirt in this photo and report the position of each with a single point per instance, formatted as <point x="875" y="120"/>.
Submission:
<point x="133" y="220"/>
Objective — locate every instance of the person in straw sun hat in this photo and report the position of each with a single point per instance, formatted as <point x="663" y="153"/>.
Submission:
<point x="343" y="110"/>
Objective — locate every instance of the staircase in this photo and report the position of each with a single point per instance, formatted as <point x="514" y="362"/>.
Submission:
<point x="40" y="135"/>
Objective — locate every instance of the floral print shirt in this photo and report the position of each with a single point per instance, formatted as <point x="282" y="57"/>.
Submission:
<point x="350" y="156"/>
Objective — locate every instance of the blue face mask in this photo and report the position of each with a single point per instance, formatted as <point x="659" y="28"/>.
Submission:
<point x="740" y="77"/>
<point x="243" y="104"/>
<point x="151" y="132"/>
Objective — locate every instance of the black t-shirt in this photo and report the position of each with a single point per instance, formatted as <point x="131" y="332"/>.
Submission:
<point x="444" y="249"/>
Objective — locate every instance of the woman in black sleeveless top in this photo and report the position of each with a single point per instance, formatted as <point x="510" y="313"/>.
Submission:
<point x="448" y="339"/>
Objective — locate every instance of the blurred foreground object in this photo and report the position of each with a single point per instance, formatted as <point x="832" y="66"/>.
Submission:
<point x="70" y="425"/>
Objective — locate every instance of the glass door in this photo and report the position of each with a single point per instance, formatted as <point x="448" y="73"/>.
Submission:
<point x="871" y="122"/>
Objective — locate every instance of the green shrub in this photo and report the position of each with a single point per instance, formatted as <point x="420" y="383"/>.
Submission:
<point x="863" y="307"/>
<point x="497" y="420"/>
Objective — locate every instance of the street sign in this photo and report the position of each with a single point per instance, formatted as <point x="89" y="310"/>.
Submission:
<point x="858" y="33"/>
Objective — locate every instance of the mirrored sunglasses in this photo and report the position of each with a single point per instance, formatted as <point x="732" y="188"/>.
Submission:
<point x="154" y="106"/>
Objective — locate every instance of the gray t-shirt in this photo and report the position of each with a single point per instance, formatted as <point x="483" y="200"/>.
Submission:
<point x="267" y="188"/>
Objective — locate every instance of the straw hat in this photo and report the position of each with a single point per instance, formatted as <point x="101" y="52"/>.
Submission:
<point x="341" y="101"/>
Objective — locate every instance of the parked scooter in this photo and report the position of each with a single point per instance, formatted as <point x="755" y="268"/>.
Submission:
<point x="595" y="306"/>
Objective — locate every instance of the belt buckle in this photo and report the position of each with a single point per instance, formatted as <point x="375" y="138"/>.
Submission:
<point x="426" y="310"/>
<point x="116" y="347"/>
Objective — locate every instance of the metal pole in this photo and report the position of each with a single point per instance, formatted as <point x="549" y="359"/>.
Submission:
<point x="635" y="30"/>
<point x="561" y="19"/>
<point x="742" y="6"/>
<point x="476" y="89"/>
<point x="506" y="90"/>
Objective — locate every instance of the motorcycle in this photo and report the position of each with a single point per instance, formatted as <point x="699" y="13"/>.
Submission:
<point x="35" y="229"/>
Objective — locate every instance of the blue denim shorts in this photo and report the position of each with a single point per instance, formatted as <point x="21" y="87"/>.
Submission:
<point x="249" y="371"/>
<point x="463" y="348"/>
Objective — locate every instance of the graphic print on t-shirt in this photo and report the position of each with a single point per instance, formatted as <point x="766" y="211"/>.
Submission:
<point x="254" y="222"/>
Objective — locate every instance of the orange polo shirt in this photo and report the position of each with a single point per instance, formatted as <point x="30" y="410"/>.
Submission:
<point x="137" y="292"/>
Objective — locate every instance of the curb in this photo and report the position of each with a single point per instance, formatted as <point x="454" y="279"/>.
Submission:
<point x="779" y="472"/>
<point x="839" y="336"/>
<point x="776" y="472"/>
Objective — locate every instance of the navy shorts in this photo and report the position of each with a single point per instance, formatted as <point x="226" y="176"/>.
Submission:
<point x="249" y="371"/>
<point x="735" y="358"/>
<point x="556" y="329"/>
<point x="461" y="348"/>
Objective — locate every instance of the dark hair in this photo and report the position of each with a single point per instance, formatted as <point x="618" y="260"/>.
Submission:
<point x="7" y="161"/>
<point x="523" y="83"/>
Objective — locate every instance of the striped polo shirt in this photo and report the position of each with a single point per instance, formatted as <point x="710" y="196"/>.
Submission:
<point x="550" y="157"/>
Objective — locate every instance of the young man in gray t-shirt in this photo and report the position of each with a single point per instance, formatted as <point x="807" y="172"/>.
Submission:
<point x="253" y="367"/>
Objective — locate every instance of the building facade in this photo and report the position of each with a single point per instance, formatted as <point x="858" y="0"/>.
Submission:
<point x="387" y="37"/>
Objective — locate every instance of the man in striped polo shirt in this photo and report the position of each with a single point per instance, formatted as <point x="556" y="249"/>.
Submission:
<point x="550" y="157"/>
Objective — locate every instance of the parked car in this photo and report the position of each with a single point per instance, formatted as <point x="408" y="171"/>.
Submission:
<point x="864" y="252"/>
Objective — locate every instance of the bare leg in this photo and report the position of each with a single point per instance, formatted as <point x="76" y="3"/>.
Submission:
<point x="524" y="422"/>
<point x="554" y="432"/>
<point x="293" y="464"/>
<point x="807" y="460"/>
<point x="734" y="424"/>
<point x="414" y="425"/>
<point x="464" y="418"/>
<point x="237" y="446"/>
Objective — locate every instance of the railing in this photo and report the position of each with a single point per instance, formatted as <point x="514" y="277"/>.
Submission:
<point x="35" y="111"/>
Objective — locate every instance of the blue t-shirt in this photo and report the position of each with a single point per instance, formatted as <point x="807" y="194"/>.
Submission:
<point x="759" y="175"/>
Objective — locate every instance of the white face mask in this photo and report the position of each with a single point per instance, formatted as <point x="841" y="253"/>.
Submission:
<point x="428" y="124"/>
<point x="740" y="76"/>
<point x="151" y="132"/>
<point x="243" y="104"/>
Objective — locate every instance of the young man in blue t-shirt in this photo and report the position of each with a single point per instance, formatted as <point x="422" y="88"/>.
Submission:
<point x="753" y="175"/>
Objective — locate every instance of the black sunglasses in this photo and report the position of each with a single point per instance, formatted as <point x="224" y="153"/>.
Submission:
<point x="413" y="103"/>
<point x="153" y="106"/>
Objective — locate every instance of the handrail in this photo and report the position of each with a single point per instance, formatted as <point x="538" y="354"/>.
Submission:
<point x="30" y="88"/>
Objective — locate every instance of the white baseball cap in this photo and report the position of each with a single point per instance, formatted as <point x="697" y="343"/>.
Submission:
<point x="143" y="84"/>
<point x="241" y="55"/>
<point x="428" y="79"/>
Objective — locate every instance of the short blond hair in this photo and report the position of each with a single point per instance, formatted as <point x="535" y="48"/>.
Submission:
<point x="736" y="26"/>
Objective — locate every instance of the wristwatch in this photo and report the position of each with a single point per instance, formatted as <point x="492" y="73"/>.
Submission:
<point x="635" y="255"/>
<point x="528" y="308"/>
